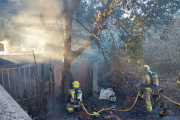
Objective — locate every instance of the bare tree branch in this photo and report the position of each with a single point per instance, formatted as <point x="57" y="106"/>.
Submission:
<point x="58" y="26"/>
<point x="73" y="6"/>
<point x="61" y="30"/>
<point x="87" y="29"/>
<point x="80" y="49"/>
<point x="95" y="30"/>
<point x="84" y="18"/>
<point x="91" y="57"/>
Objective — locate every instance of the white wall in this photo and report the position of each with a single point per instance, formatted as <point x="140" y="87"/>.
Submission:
<point x="10" y="109"/>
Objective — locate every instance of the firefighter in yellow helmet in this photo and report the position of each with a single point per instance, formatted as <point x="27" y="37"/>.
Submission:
<point x="149" y="81"/>
<point x="75" y="96"/>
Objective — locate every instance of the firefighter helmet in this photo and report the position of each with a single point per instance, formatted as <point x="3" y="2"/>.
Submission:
<point x="75" y="84"/>
<point x="146" y="67"/>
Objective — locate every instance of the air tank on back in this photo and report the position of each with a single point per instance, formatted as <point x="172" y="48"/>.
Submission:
<point x="155" y="79"/>
<point x="79" y="95"/>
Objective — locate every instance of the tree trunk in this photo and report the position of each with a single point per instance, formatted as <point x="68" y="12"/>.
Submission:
<point x="67" y="57"/>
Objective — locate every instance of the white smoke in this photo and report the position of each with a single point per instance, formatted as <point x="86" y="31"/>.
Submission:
<point x="34" y="27"/>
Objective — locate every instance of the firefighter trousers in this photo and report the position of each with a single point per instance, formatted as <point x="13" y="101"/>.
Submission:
<point x="147" y="97"/>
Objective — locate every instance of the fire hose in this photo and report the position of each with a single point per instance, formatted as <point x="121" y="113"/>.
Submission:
<point x="126" y="109"/>
<point x="171" y="100"/>
<point x="111" y="108"/>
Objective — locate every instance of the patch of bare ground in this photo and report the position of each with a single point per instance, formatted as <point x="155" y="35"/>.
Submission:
<point x="125" y="99"/>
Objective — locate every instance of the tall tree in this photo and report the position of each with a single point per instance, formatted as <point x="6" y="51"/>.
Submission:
<point x="142" y="15"/>
<point x="68" y="54"/>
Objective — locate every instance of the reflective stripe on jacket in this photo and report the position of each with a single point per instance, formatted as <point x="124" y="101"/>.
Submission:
<point x="72" y="94"/>
<point x="70" y="109"/>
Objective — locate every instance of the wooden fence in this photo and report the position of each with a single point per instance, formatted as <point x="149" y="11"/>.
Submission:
<point x="31" y="85"/>
<point x="18" y="79"/>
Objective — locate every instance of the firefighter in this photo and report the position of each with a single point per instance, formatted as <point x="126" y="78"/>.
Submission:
<point x="148" y="83"/>
<point x="75" y="97"/>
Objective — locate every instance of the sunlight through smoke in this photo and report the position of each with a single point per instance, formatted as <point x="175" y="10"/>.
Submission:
<point x="34" y="28"/>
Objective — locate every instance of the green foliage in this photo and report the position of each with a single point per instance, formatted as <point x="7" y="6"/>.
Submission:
<point x="134" y="29"/>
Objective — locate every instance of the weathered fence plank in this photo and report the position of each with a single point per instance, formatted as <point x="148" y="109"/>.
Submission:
<point x="9" y="82"/>
<point x="2" y="79"/>
<point x="42" y="78"/>
<point x="35" y="85"/>
<point x="20" y="81"/>
<point x="25" y="76"/>
<point x="14" y="81"/>
<point x="29" y="79"/>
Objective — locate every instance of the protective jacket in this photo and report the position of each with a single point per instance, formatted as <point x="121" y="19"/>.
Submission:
<point x="150" y="80"/>
<point x="75" y="96"/>
<point x="72" y="95"/>
<point x="147" y="81"/>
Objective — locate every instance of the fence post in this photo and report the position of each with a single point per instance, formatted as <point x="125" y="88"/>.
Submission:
<point x="53" y="84"/>
<point x="50" y="79"/>
<point x="35" y="84"/>
<point x="14" y="73"/>
<point x="42" y="78"/>
<point x="15" y="85"/>
<point x="20" y="81"/>
<point x="25" y="76"/>
<point x="30" y="80"/>
<point x="9" y="82"/>
<point x="2" y="78"/>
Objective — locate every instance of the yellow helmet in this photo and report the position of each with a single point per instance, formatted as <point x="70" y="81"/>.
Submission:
<point x="75" y="84"/>
<point x="146" y="67"/>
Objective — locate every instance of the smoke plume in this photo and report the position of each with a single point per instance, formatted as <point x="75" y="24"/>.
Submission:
<point x="32" y="27"/>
